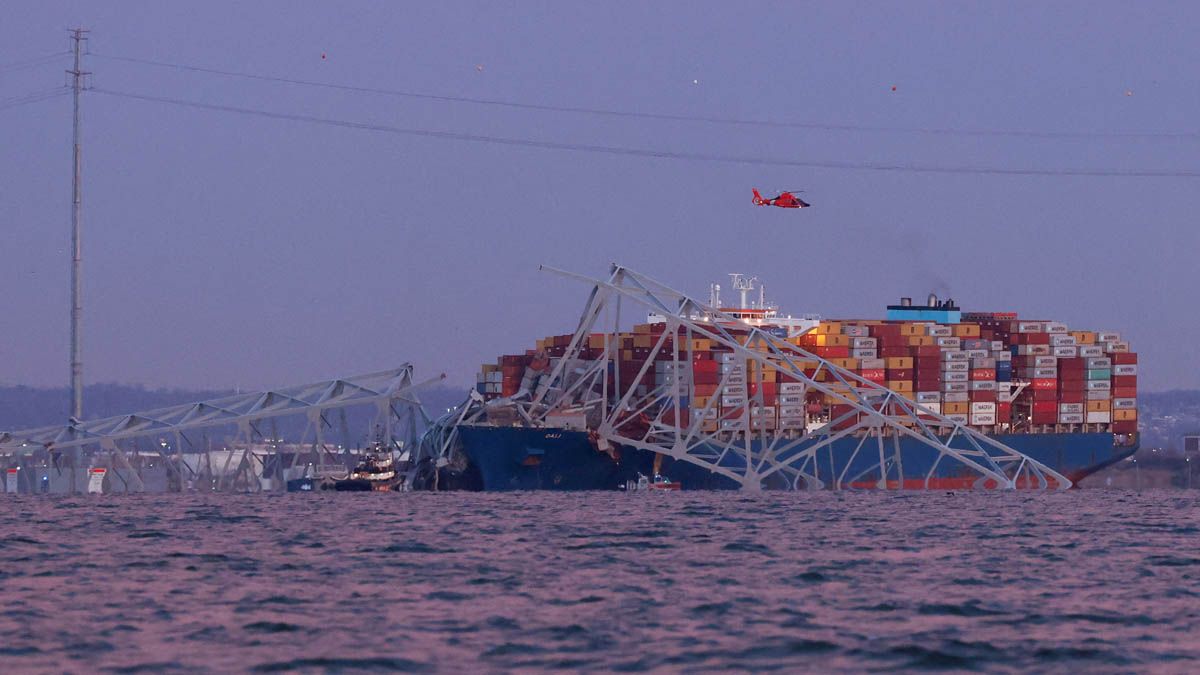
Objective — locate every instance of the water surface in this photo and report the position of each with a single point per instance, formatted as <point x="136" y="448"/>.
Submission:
<point x="1098" y="580"/>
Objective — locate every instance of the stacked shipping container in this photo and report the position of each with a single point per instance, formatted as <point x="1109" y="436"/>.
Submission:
<point x="990" y="371"/>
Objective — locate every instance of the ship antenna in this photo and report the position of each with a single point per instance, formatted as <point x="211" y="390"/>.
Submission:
<point x="77" y="74"/>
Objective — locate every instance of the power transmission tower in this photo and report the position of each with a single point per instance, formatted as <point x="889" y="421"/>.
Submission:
<point x="77" y="73"/>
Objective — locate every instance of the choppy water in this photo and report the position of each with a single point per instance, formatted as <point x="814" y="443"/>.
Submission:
<point x="1094" y="580"/>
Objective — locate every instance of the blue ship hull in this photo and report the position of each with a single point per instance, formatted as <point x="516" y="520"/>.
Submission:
<point x="520" y="458"/>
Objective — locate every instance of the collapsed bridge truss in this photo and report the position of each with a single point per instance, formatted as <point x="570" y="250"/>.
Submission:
<point x="251" y="455"/>
<point x="868" y="441"/>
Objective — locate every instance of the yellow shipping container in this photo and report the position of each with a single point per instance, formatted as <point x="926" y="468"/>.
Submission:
<point x="643" y="328"/>
<point x="831" y="340"/>
<point x="828" y="328"/>
<point x="769" y="376"/>
<point x="698" y="402"/>
<point x="900" y="386"/>
<point x="1084" y="337"/>
<point x="966" y="330"/>
<point x="1124" y="415"/>
<point x="1098" y="406"/>
<point x="701" y="344"/>
<point x="849" y="364"/>
<point x="899" y="362"/>
<point x="595" y="341"/>
<point x="912" y="329"/>
<point x="956" y="408"/>
<point x="921" y="341"/>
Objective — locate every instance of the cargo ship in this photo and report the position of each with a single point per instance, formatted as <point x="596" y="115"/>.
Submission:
<point x="725" y="396"/>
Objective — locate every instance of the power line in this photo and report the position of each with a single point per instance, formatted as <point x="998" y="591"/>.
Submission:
<point x="33" y="97"/>
<point x="773" y="124"/>
<point x="30" y="63"/>
<point x="645" y="152"/>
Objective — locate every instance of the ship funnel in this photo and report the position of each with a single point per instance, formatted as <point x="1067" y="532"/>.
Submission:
<point x="933" y="300"/>
<point x="906" y="302"/>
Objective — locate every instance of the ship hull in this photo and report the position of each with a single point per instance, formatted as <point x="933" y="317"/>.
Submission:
<point x="519" y="458"/>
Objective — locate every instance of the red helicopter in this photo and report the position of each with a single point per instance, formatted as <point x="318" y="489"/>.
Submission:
<point x="785" y="200"/>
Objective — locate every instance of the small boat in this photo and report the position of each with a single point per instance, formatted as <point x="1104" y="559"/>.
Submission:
<point x="375" y="472"/>
<point x="659" y="482"/>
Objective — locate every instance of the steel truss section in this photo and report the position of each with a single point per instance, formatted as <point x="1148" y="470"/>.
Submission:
<point x="883" y="426"/>
<point x="243" y="464"/>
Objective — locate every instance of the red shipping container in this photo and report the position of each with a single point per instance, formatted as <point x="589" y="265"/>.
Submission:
<point x="983" y="397"/>
<point x="832" y="352"/>
<point x="899" y="373"/>
<point x="1045" y="406"/>
<point x="705" y="367"/>
<point x="1124" y="426"/>
<point x="1045" y="394"/>
<point x="1124" y="358"/>
<point x="1125" y="392"/>
<point x="1071" y="365"/>
<point x="1042" y="383"/>
<point x="1119" y="381"/>
<point x="1071" y="385"/>
<point x="891" y="351"/>
<point x="932" y="352"/>
<point x="1073" y="396"/>
<point x="1003" y="412"/>
<point x="983" y="374"/>
<point x="1044" y="417"/>
<point x="874" y="374"/>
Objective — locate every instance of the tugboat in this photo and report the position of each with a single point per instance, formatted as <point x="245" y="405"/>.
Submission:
<point x="375" y="472"/>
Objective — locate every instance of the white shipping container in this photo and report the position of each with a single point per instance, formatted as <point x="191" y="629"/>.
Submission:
<point x="856" y="331"/>
<point x="956" y="376"/>
<point x="955" y="356"/>
<point x="1045" y="373"/>
<point x="709" y="414"/>
<point x="791" y="399"/>
<point x="1041" y="361"/>
<point x="863" y="353"/>
<point x="1029" y="327"/>
<point x="731" y="424"/>
<point x="1062" y="340"/>
<point x="948" y="342"/>
<point x="791" y="387"/>
<point x="1125" y="369"/>
<point x="998" y="345"/>
<point x="983" y="419"/>
<point x="982" y="407"/>
<point x="791" y="411"/>
<point x="1034" y="350"/>
<point x="1070" y="407"/>
<point x="939" y="331"/>
<point x="872" y="364"/>
<point x="983" y="385"/>
<point x="1004" y="395"/>
<point x="726" y="357"/>
<point x="1116" y="347"/>
<point x="984" y="363"/>
<point x="732" y="401"/>
<point x="735" y="378"/>
<point x="1107" y="336"/>
<point x="1099" y="417"/>
<point x="730" y="367"/>
<point x="764" y="410"/>
<point x="976" y="353"/>
<point x="762" y="423"/>
<point x="935" y="408"/>
<point x="864" y="342"/>
<point x="953" y="387"/>
<point x="734" y="390"/>
<point x="960" y="419"/>
<point x="1098" y="394"/>
<point x="929" y="396"/>
<point x="956" y="397"/>
<point x="1065" y="352"/>
<point x="956" y="366"/>
<point x="1055" y="327"/>
<point x="1101" y="362"/>
<point x="1099" y="385"/>
<point x="1002" y="355"/>
<point x="1125" y="403"/>
<point x="1088" y="351"/>
<point x="1070" y="418"/>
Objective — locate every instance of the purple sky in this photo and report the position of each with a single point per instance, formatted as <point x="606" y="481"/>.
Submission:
<point x="224" y="250"/>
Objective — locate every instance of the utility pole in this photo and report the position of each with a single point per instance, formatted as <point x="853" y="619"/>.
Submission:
<point x="77" y="73"/>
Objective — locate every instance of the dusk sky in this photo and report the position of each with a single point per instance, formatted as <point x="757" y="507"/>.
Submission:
<point x="224" y="249"/>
